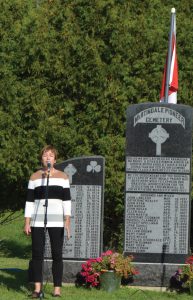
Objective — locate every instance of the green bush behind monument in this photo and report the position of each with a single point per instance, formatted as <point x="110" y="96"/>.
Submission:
<point x="69" y="70"/>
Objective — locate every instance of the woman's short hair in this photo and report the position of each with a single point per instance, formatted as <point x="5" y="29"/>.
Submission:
<point x="49" y="148"/>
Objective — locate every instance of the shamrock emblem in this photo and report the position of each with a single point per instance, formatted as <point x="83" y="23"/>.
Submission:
<point x="93" y="167"/>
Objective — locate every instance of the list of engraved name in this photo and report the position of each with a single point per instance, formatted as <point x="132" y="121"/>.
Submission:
<point x="157" y="204"/>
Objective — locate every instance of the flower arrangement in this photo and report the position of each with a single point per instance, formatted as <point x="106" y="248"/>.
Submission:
<point x="186" y="273"/>
<point x="93" y="268"/>
<point x="182" y="280"/>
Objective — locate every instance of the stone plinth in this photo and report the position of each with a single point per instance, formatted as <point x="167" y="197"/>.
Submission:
<point x="150" y="274"/>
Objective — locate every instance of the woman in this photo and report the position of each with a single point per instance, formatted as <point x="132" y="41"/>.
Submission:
<point x="58" y="217"/>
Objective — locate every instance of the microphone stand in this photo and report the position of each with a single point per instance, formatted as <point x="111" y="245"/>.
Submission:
<point x="41" y="296"/>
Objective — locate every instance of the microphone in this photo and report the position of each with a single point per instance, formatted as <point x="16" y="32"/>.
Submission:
<point x="49" y="166"/>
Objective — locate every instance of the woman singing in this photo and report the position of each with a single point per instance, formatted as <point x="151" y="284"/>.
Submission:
<point x="58" y="217"/>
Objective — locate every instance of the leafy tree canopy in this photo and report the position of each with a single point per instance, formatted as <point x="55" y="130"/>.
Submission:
<point x="69" y="69"/>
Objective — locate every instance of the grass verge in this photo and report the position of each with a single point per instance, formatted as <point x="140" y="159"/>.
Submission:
<point x="15" y="249"/>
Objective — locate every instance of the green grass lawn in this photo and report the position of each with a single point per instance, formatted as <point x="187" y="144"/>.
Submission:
<point x="15" y="251"/>
<point x="14" y="286"/>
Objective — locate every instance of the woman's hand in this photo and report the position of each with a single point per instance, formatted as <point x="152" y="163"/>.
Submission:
<point x="27" y="227"/>
<point x="67" y="226"/>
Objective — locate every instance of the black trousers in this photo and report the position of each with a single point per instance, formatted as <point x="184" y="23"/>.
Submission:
<point x="56" y="235"/>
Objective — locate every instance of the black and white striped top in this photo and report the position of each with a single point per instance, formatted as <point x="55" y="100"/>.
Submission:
<point x="59" y="200"/>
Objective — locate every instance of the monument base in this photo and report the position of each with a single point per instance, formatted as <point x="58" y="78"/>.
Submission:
<point x="150" y="274"/>
<point x="71" y="268"/>
<point x="155" y="274"/>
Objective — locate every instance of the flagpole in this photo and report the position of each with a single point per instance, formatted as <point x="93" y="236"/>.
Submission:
<point x="169" y="58"/>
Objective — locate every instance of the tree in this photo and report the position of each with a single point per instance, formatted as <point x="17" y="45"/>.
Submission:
<point x="69" y="69"/>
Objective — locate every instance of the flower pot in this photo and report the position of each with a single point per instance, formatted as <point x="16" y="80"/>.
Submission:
<point x="110" y="281"/>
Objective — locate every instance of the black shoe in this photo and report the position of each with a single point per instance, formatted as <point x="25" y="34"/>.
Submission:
<point x="56" y="295"/>
<point x="36" y="295"/>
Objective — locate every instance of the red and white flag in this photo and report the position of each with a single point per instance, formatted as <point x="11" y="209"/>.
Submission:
<point x="173" y="72"/>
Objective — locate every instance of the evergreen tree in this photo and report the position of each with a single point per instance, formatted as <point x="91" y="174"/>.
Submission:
<point x="69" y="69"/>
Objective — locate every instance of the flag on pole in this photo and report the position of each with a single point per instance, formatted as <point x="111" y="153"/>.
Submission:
<point x="171" y="68"/>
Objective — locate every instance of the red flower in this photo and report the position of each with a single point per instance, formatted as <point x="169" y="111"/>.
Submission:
<point x="108" y="252"/>
<point x="99" y="259"/>
<point x="189" y="260"/>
